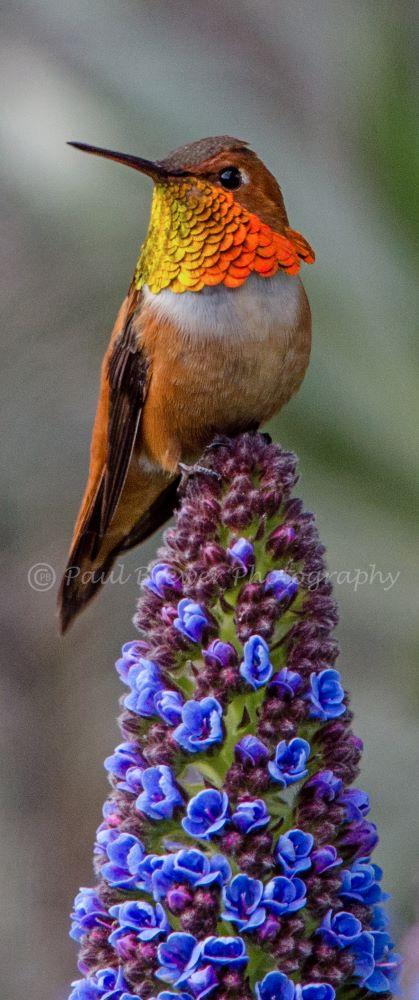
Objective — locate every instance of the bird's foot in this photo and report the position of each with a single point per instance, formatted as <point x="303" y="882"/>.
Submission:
<point x="188" y="471"/>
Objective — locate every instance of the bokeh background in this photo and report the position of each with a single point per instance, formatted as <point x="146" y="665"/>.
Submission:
<point x="325" y="92"/>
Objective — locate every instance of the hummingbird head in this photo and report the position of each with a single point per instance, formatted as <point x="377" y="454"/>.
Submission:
<point x="217" y="215"/>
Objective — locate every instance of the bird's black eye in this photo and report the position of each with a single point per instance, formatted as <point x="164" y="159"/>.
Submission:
<point x="230" y="178"/>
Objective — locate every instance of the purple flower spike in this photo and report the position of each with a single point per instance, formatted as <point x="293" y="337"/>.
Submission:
<point x="191" y="621"/>
<point x="163" y="578"/>
<point x="256" y="668"/>
<point x="242" y="554"/>
<point x="283" y="586"/>
<point x="290" y="761"/>
<point x="234" y="855"/>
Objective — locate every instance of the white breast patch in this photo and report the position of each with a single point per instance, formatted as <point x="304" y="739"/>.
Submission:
<point x="256" y="309"/>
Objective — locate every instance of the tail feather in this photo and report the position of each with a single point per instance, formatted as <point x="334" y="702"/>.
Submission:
<point x="91" y="559"/>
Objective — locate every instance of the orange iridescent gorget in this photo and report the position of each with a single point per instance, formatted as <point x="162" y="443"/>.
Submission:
<point x="200" y="235"/>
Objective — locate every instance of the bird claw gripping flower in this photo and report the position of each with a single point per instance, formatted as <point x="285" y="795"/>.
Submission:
<point x="233" y="860"/>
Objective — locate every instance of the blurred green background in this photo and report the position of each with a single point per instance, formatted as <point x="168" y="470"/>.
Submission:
<point x="324" y="91"/>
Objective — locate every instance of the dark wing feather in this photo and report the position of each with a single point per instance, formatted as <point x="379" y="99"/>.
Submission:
<point x="127" y="377"/>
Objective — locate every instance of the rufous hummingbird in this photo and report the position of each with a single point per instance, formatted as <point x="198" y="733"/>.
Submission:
<point x="213" y="337"/>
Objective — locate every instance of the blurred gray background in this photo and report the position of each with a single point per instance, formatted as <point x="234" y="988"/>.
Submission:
<point x="325" y="93"/>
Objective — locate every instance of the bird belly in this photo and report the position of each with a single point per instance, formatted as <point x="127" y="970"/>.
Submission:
<point x="222" y="360"/>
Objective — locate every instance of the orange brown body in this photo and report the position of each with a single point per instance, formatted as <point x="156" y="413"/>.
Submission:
<point x="213" y="337"/>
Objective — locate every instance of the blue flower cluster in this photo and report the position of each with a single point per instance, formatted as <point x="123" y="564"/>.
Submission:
<point x="234" y="856"/>
<point x="376" y="965"/>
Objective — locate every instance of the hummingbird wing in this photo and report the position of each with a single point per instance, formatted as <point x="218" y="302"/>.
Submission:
<point x="127" y="377"/>
<point x="123" y="389"/>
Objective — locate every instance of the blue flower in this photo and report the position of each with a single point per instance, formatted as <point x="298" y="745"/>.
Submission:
<point x="251" y="750"/>
<point x="315" y="991"/>
<point x="131" y="653"/>
<point x="175" y="955"/>
<point x="293" y="851"/>
<point x="356" y="802"/>
<point x="256" y="667"/>
<point x="220" y="654"/>
<point x="229" y="951"/>
<point x="145" y="681"/>
<point x="242" y="554"/>
<point x="275" y="986"/>
<point x="384" y="978"/>
<point x="162" y="578"/>
<point x="286" y="681"/>
<point x="290" y="761"/>
<point x="105" y="984"/>
<point x="283" y="586"/>
<point x="192" y="620"/>
<point x="360" y="838"/>
<point x="241" y="900"/>
<point x="140" y="918"/>
<point x="88" y="912"/>
<point x="325" y="857"/>
<point x="201" y="725"/>
<point x="340" y="929"/>
<point x="326" y="695"/>
<point x="201" y="982"/>
<point x="324" y="785"/>
<point x="206" y="814"/>
<point x="193" y="867"/>
<point x="168" y="995"/>
<point x="148" y="871"/>
<point x="125" y="755"/>
<point x="160" y="796"/>
<point x="360" y="882"/>
<point x="124" y="853"/>
<point x="133" y="780"/>
<point x="285" y="895"/>
<point x="168" y="705"/>
<point x="362" y="950"/>
<point x="251" y="814"/>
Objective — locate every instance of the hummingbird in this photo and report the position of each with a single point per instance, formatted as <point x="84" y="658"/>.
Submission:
<point x="213" y="338"/>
